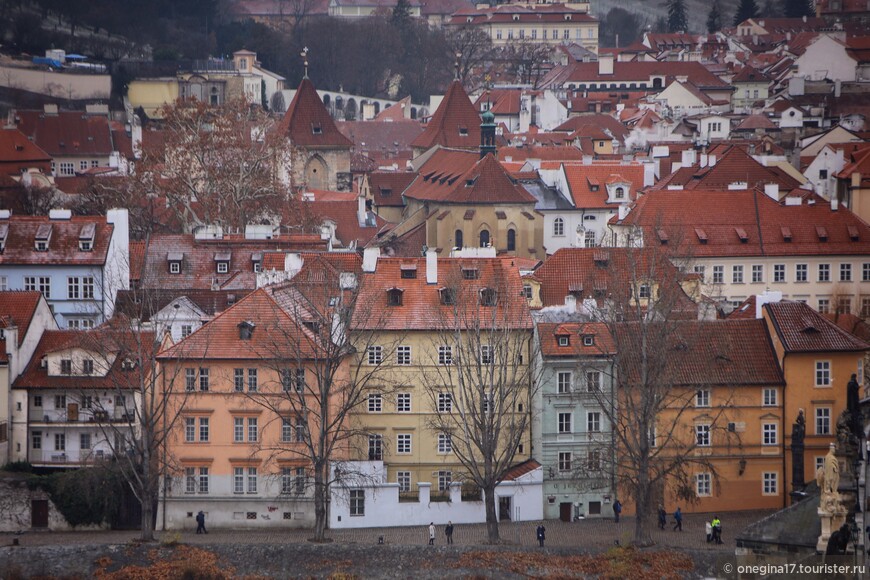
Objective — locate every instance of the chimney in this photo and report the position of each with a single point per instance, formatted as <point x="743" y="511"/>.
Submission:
<point x="711" y="161"/>
<point x="623" y="210"/>
<point x="246" y="329"/>
<point x="431" y="267"/>
<point x="571" y="303"/>
<point x="771" y="190"/>
<point x="766" y="297"/>
<point x="838" y="86"/>
<point x="835" y="203"/>
<point x="688" y="157"/>
<point x="292" y="263"/>
<point x="361" y="213"/>
<point x="370" y="259"/>
<point x="605" y="64"/>
<point x="704" y="160"/>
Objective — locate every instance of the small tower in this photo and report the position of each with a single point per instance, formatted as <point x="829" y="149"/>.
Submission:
<point x="487" y="134"/>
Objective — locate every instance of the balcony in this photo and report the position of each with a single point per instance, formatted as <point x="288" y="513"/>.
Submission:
<point x="69" y="457"/>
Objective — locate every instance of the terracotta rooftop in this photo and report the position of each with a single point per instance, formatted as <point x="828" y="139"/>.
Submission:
<point x="634" y="72"/>
<point x="348" y="228"/>
<point x="544" y="153"/>
<point x="16" y="148"/>
<point x="521" y="469"/>
<point x="67" y="133"/>
<point x="63" y="240"/>
<point x="731" y="353"/>
<point x="735" y="165"/>
<point x="456" y="123"/>
<point x="588" y="123"/>
<point x="381" y="140"/>
<point x="307" y="123"/>
<point x="588" y="183"/>
<point x="501" y="101"/>
<point x="387" y="187"/>
<point x="461" y="177"/>
<point x="17" y="309"/>
<point x="755" y="122"/>
<point x="802" y="329"/>
<point x="749" y="74"/>
<point x="602" y="344"/>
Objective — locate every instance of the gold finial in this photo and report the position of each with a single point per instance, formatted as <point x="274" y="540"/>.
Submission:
<point x="304" y="55"/>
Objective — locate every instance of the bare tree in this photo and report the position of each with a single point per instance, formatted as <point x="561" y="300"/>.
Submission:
<point x="525" y="59"/>
<point x="472" y="48"/>
<point x="326" y="373"/>
<point x="482" y="384"/>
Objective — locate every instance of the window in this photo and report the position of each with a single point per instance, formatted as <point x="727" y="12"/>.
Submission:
<point x="845" y="272"/>
<point x="445" y="403"/>
<point x="83" y="165"/>
<point x="511" y="240"/>
<point x="67" y="168"/>
<point x="38" y="284"/>
<point x="564" y="341"/>
<point x="203" y="379"/>
<point x="865" y="272"/>
<point x="403" y="355"/>
<point x="589" y="239"/>
<point x="223" y="267"/>
<point x="376" y="448"/>
<point x="239" y="380"/>
<point x="4" y="281"/>
<point x="87" y="402"/>
<point x="737" y="274"/>
<point x="824" y="305"/>
<point x="403" y="478"/>
<point x="768" y="434"/>
<point x="60" y="401"/>
<point x="84" y="441"/>
<point x="286" y="430"/>
<point x="37" y="400"/>
<point x="238" y="429"/>
<point x="800" y="272"/>
<point x="593" y="422"/>
<point x="190" y="480"/>
<point x="558" y="227"/>
<point x="238" y="480"/>
<point x="593" y="460"/>
<point x="252" y="480"/>
<point x="375" y="355"/>
<point x="865" y="307"/>
<point x="702" y="435"/>
<point x="375" y="403"/>
<point x="301" y="429"/>
<point x="486" y="352"/>
<point x="593" y="381"/>
<point x="467" y="274"/>
<point x="643" y="291"/>
<point x="564" y="423"/>
<point x="718" y="274"/>
<point x="36" y="439"/>
<point x="457" y="239"/>
<point x="564" y="461"/>
<point x="174" y="267"/>
<point x="252" y="380"/>
<point x="445" y="355"/>
<point x="299" y="481"/>
<point x="779" y="272"/>
<point x="769" y="483"/>
<point x="403" y="443"/>
<point x="768" y="397"/>
<point x="444" y="480"/>
<point x="394" y="297"/>
<point x="702" y="398"/>
<point x="823" y="373"/>
<point x="445" y="443"/>
<point x="824" y="272"/>
<point x="484" y="238"/>
<point x="844" y="304"/>
<point x="203" y="429"/>
<point x="95" y="163"/>
<point x="357" y="502"/>
<point x="498" y="34"/>
<point x="757" y="273"/>
<point x="563" y="382"/>
<point x="703" y="485"/>
<point x="823" y="420"/>
<point x="186" y="330"/>
<point x="189" y="380"/>
<point x="527" y="291"/>
<point x="189" y="429"/>
<point x="403" y="402"/>
<point x="59" y="442"/>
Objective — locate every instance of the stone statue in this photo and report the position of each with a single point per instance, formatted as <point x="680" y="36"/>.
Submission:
<point x="828" y="478"/>
<point x="853" y="405"/>
<point x="839" y="541"/>
<point x="798" y="431"/>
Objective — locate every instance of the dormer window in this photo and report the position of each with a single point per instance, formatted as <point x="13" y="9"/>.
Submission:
<point x="257" y="261"/>
<point x="174" y="259"/>
<point x="66" y="366"/>
<point x="601" y="257"/>
<point x="86" y="237"/>
<point x="488" y="297"/>
<point x="43" y="236"/>
<point x="567" y="17"/>
<point x="246" y="329"/>
<point x="88" y="366"/>
<point x="447" y="296"/>
<point x="643" y="291"/>
<point x="317" y="129"/>
<point x="470" y="273"/>
<point x="564" y="340"/>
<point x="702" y="235"/>
<point x="822" y="233"/>
<point x="394" y="296"/>
<point x="222" y="262"/>
<point x="588" y="340"/>
<point x="619" y="193"/>
<point x="409" y="272"/>
<point x="4" y="234"/>
<point x="786" y="234"/>
<point x="386" y="192"/>
<point x="463" y="131"/>
<point x="742" y="235"/>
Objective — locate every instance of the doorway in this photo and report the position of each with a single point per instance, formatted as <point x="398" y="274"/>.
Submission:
<point x="39" y="513"/>
<point x="504" y="508"/>
<point x="565" y="511"/>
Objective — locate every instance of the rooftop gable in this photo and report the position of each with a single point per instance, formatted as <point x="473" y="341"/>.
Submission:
<point x="802" y="329"/>
<point x="307" y="123"/>
<point x="456" y="123"/>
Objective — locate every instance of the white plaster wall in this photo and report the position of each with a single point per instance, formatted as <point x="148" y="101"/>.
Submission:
<point x="826" y="59"/>
<point x="65" y="85"/>
<point x="828" y="159"/>
<point x="117" y="275"/>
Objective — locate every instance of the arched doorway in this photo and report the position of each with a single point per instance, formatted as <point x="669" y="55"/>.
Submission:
<point x="317" y="173"/>
<point x="484" y="238"/>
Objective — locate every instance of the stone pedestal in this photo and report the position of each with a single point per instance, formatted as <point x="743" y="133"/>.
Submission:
<point x="831" y="521"/>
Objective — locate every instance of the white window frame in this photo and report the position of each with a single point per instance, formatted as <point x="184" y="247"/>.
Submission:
<point x="375" y="355"/>
<point x="769" y="434"/>
<point x="403" y="444"/>
<point x="375" y="403"/>
<point x="564" y="382"/>
<point x="565" y="423"/>
<point x="823" y="420"/>
<point x="703" y="485"/>
<point x="769" y="397"/>
<point x="823" y="374"/>
<point x="702" y="435"/>
<point x="403" y="402"/>
<point x="445" y="444"/>
<point x="770" y="483"/>
<point x="593" y="421"/>
<point x="702" y="398"/>
<point x="403" y="355"/>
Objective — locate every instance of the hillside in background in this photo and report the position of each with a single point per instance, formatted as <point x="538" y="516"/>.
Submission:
<point x="651" y="10"/>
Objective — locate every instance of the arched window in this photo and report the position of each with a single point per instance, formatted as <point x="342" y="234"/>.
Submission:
<point x="619" y="193"/>
<point x="512" y="240"/>
<point x="457" y="239"/>
<point x="484" y="238"/>
<point x="657" y="83"/>
<point x="558" y="227"/>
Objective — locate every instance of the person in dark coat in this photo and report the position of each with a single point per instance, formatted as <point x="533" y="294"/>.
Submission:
<point x="663" y="517"/>
<point x="678" y="520"/>
<point x="448" y="531"/>
<point x="617" y="509"/>
<point x="200" y="523"/>
<point x="541" y="533"/>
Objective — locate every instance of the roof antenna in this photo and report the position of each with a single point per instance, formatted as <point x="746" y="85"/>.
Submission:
<point x="304" y="55"/>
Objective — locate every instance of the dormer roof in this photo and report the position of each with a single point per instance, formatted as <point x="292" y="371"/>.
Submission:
<point x="802" y="329"/>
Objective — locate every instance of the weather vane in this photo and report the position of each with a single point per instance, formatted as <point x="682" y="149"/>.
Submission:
<point x="304" y="55"/>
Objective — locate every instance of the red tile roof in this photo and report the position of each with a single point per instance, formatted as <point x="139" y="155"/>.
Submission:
<point x="731" y="353"/>
<point x="521" y="469"/>
<point x="421" y="307"/>
<point x="502" y="101"/>
<point x="463" y="178"/>
<point x="17" y="309"/>
<point x="754" y="122"/>
<point x="348" y="228"/>
<point x="103" y="342"/>
<point x="276" y="335"/>
<point x="718" y="213"/>
<point x="802" y="329"/>
<point x="550" y="332"/>
<point x="456" y="123"/>
<point x="63" y="245"/>
<point x="523" y="13"/>
<point x="67" y="133"/>
<point x="634" y="72"/>
<point x="581" y="177"/>
<point x="19" y="151"/>
<point x="544" y="153"/>
<point x="387" y="187"/>
<point x="382" y="140"/>
<point x="592" y="124"/>
<point x="307" y="123"/>
<point x="735" y="165"/>
<point x="749" y="74"/>
<point x="137" y="259"/>
<point x="852" y="324"/>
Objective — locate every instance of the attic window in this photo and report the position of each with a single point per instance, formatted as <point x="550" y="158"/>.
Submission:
<point x="702" y="235"/>
<point x="447" y="296"/>
<point x="4" y="233"/>
<point x="86" y="237"/>
<point x="567" y="17"/>
<point x="43" y="236"/>
<point x="174" y="259"/>
<point x="394" y="296"/>
<point x="588" y="340"/>
<point x="741" y="233"/>
<point x="317" y="129"/>
<point x="786" y="234"/>
<point x="822" y="233"/>
<point x="853" y="233"/>
<point x="470" y="273"/>
<point x="663" y="236"/>
<point x="601" y="257"/>
<point x="593" y="184"/>
<point x="463" y="131"/>
<point x="409" y="272"/>
<point x="386" y="192"/>
<point x="564" y="340"/>
<point x="575" y="290"/>
<point x="222" y="262"/>
<point x="488" y="297"/>
<point x="516" y="17"/>
<point x="257" y="261"/>
<point x="246" y="329"/>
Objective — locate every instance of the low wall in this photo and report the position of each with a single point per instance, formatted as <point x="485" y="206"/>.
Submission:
<point x="58" y="84"/>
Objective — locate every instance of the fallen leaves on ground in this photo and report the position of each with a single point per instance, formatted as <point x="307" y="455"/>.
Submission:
<point x="616" y="563"/>
<point x="171" y="564"/>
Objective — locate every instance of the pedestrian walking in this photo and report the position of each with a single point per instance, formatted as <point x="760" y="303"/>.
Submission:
<point x="200" y="523"/>
<point x="678" y="520"/>
<point x="708" y="527"/>
<point x="541" y="533"/>
<point x="716" y="524"/>
<point x="617" y="509"/>
<point x="663" y="517"/>
<point x="431" y="533"/>
<point x="448" y="531"/>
